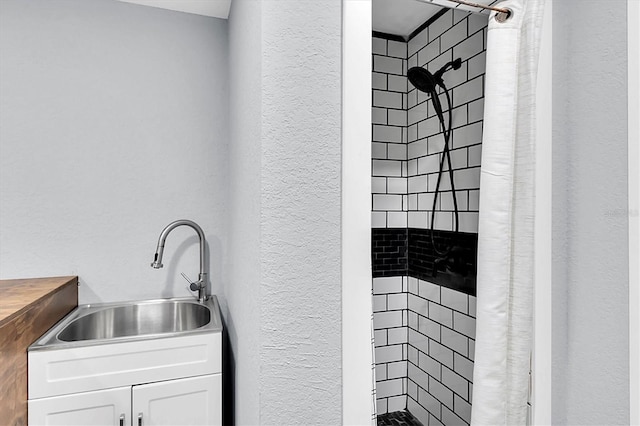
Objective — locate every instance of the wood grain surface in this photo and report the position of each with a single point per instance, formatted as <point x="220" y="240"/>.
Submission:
<point x="28" y="308"/>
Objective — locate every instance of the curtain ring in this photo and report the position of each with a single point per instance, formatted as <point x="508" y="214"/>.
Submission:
<point x="503" y="16"/>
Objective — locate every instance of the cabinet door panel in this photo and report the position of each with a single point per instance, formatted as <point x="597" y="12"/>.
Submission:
<point x="103" y="407"/>
<point x="192" y="401"/>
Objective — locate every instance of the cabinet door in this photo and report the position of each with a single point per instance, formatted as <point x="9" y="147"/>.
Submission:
<point x="192" y="401"/>
<point x="106" y="407"/>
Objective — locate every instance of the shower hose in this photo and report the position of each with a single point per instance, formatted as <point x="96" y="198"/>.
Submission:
<point x="446" y="154"/>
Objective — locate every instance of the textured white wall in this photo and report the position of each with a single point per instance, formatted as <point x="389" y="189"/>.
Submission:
<point x="286" y="296"/>
<point x="301" y="113"/>
<point x="590" y="249"/>
<point x="113" y="122"/>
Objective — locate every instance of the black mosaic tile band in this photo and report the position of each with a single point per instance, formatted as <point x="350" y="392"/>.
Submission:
<point x="452" y="263"/>
<point x="389" y="252"/>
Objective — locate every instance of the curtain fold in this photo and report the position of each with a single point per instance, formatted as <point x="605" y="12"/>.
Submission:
<point x="505" y="231"/>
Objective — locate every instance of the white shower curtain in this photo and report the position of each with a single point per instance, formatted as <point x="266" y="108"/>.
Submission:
<point x="505" y="235"/>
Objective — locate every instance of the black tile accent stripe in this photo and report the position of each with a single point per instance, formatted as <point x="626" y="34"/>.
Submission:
<point x="410" y="251"/>
<point x="389" y="252"/>
<point x="455" y="268"/>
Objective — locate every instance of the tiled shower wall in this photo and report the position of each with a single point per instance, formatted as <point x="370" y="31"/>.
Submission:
<point x="441" y="345"/>
<point x="390" y="324"/>
<point x="452" y="36"/>
<point x="407" y="139"/>
<point x="389" y="147"/>
<point x="424" y="331"/>
<point x="424" y="347"/>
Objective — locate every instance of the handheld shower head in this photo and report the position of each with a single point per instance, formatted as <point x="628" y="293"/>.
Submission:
<point x="422" y="79"/>
<point x="426" y="82"/>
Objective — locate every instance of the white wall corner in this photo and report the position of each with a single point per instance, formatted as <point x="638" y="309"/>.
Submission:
<point x="357" y="378"/>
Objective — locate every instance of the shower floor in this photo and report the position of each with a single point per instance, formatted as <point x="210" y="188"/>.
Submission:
<point x="398" y="418"/>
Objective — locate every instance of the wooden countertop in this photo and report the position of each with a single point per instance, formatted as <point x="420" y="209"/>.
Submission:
<point x="28" y="308"/>
<point x="17" y="295"/>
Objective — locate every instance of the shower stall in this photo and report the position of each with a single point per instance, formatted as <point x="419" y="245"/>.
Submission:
<point x="427" y="119"/>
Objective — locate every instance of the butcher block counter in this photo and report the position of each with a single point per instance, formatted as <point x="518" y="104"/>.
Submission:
<point x="28" y="308"/>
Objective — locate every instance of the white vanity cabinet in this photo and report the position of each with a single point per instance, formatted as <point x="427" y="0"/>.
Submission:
<point x="165" y="381"/>
<point x="190" y="401"/>
<point x="105" y="407"/>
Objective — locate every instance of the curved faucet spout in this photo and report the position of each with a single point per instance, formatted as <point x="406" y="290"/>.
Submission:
<point x="157" y="259"/>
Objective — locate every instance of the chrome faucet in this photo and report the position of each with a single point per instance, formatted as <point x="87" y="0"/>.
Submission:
<point x="201" y="285"/>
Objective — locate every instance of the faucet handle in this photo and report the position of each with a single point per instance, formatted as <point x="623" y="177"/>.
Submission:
<point x="193" y="286"/>
<point x="191" y="283"/>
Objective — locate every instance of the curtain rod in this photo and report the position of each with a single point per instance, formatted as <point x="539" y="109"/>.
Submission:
<point x="483" y="6"/>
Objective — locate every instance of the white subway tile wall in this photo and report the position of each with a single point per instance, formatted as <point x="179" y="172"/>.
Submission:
<point x="440" y="352"/>
<point x="390" y="339"/>
<point x="454" y="35"/>
<point x="424" y="333"/>
<point x="389" y="131"/>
